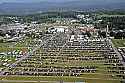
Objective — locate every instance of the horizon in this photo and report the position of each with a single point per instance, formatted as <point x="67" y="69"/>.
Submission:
<point x="34" y="1"/>
<point x="33" y="6"/>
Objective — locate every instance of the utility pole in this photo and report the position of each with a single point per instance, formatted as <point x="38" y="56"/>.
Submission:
<point x="107" y="30"/>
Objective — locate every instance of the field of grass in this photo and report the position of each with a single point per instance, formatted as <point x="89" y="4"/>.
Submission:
<point x="106" y="15"/>
<point x="119" y="42"/>
<point x="57" y="79"/>
<point x="10" y="46"/>
<point x="24" y="43"/>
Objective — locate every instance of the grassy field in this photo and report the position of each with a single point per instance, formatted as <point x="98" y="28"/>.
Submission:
<point x="10" y="46"/>
<point x="106" y="15"/>
<point x="119" y="42"/>
<point x="65" y="79"/>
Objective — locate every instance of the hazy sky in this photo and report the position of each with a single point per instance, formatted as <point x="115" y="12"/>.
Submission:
<point x="32" y="0"/>
<point x="1" y="1"/>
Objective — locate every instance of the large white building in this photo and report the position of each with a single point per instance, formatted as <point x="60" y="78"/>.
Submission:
<point x="57" y="29"/>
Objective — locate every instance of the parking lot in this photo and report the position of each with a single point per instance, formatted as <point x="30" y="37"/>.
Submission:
<point x="66" y="55"/>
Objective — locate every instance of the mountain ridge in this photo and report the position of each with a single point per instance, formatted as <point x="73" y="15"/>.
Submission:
<point x="25" y="8"/>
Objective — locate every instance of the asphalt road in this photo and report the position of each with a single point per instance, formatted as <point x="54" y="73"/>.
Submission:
<point x="116" y="51"/>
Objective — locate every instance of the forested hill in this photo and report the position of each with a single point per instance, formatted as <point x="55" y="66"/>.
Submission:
<point x="27" y="8"/>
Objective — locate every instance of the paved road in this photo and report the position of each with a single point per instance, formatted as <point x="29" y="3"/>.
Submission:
<point x="115" y="49"/>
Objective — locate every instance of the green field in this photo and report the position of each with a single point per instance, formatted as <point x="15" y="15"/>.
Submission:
<point x="119" y="42"/>
<point x="57" y="79"/>
<point x="106" y="15"/>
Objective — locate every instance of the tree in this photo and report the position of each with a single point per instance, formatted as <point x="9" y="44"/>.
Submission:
<point x="112" y="34"/>
<point x="103" y="34"/>
<point x="2" y="33"/>
<point x="119" y="35"/>
<point x="88" y="34"/>
<point x="99" y="33"/>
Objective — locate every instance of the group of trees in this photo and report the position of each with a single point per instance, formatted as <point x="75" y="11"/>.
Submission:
<point x="40" y="17"/>
<point x="116" y="22"/>
<point x="46" y="17"/>
<point x="102" y="34"/>
<point x="118" y="34"/>
<point x="115" y="34"/>
<point x="2" y="33"/>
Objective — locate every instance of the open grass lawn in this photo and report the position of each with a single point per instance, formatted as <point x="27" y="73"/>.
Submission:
<point x="8" y="49"/>
<point x="65" y="79"/>
<point x="106" y="15"/>
<point x="9" y="46"/>
<point x="6" y="44"/>
<point x="119" y="42"/>
<point x="24" y="43"/>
